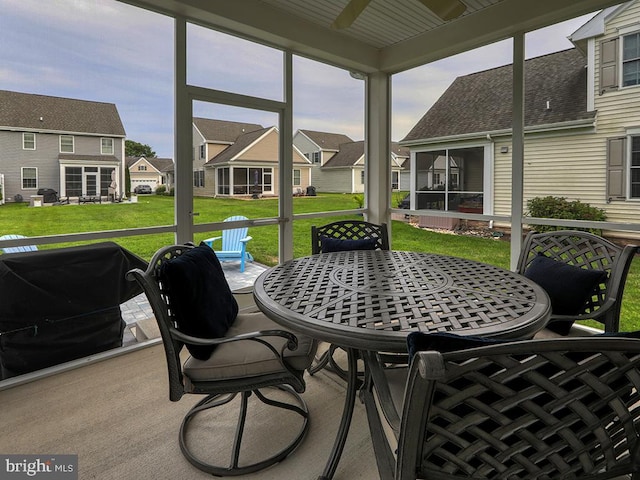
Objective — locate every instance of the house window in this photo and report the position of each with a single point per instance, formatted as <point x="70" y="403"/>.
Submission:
<point x="142" y="168"/>
<point x="105" y="180"/>
<point x="450" y="179"/>
<point x="203" y="152"/>
<point x="73" y="181"/>
<point x="634" y="167"/>
<point x="198" y="178"/>
<point x="252" y="181"/>
<point x="106" y="146"/>
<point x="395" y="180"/>
<point x="66" y="144"/>
<point x="362" y="177"/>
<point x="223" y="181"/>
<point x="28" y="141"/>
<point x="296" y="177"/>
<point x="29" y="177"/>
<point x="316" y="157"/>
<point x="631" y="59"/>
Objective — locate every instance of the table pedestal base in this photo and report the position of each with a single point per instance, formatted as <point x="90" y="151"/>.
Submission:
<point x="347" y="414"/>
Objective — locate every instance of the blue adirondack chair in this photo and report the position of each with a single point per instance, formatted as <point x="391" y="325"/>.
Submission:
<point x="234" y="243"/>
<point x="23" y="248"/>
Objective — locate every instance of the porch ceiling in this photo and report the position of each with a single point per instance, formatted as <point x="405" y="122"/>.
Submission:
<point x="387" y="36"/>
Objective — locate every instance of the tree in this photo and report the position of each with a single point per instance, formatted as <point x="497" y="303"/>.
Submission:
<point x="135" y="149"/>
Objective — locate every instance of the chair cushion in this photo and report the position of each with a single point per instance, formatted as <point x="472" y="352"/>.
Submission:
<point x="568" y="286"/>
<point x="446" y="342"/>
<point x="200" y="297"/>
<point x="329" y="244"/>
<point x="248" y="358"/>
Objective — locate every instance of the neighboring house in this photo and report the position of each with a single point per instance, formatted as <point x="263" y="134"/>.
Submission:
<point x="150" y="171"/>
<point x="339" y="162"/>
<point x="241" y="159"/>
<point x="582" y="114"/>
<point x="75" y="147"/>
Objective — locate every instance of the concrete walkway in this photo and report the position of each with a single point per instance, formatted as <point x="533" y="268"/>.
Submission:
<point x="137" y="311"/>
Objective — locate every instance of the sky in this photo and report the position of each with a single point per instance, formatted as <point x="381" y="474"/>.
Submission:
<point x="107" y="51"/>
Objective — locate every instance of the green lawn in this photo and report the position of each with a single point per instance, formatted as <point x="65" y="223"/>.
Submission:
<point x="155" y="210"/>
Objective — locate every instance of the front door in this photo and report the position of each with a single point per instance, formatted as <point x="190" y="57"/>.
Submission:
<point x="91" y="182"/>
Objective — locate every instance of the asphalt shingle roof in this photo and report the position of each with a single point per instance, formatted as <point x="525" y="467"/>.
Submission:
<point x="160" y="164"/>
<point x="223" y="131"/>
<point x="44" y="113"/>
<point x="241" y="142"/>
<point x="349" y="153"/>
<point x="482" y="102"/>
<point x="327" y="141"/>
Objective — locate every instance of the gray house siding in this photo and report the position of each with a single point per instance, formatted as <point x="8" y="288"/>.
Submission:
<point x="46" y="159"/>
<point x="14" y="158"/>
<point x="86" y="121"/>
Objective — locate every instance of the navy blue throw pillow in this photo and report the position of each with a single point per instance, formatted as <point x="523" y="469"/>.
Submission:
<point x="569" y="287"/>
<point x="199" y="296"/>
<point x="329" y="244"/>
<point x="446" y="342"/>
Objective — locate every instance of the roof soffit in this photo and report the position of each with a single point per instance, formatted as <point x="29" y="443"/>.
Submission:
<point x="282" y="28"/>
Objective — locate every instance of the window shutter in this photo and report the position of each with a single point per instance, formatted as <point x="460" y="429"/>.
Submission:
<point x="608" y="65"/>
<point x="616" y="169"/>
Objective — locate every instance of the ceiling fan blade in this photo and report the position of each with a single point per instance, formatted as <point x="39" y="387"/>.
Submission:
<point x="445" y="9"/>
<point x="353" y="9"/>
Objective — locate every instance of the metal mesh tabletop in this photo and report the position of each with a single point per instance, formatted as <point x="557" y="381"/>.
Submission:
<point x="373" y="299"/>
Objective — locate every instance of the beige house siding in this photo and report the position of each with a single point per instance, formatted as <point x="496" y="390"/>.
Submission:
<point x="143" y="173"/>
<point x="263" y="153"/>
<point x="574" y="166"/>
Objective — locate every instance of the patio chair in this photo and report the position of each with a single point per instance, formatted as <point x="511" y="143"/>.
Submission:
<point x="234" y="243"/>
<point x="553" y="409"/>
<point x="584" y="275"/>
<point x="349" y="235"/>
<point x="233" y="353"/>
<point x="340" y="236"/>
<point x="20" y="249"/>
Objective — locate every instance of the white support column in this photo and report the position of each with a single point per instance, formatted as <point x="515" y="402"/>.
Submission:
<point x="378" y="147"/>
<point x="517" y="159"/>
<point x="286" y="165"/>
<point x="183" y="140"/>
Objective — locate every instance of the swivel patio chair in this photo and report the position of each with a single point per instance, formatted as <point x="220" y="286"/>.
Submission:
<point x="584" y="275"/>
<point x="234" y="353"/>
<point x="340" y="236"/>
<point x="553" y="409"/>
<point x="234" y="243"/>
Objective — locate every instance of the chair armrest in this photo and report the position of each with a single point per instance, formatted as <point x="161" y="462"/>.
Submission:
<point x="246" y="239"/>
<point x="209" y="241"/>
<point x="292" y="340"/>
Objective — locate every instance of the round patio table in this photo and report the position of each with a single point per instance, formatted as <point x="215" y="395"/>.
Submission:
<point x="371" y="299"/>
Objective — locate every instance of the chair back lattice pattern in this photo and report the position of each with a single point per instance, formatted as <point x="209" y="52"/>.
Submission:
<point x="545" y="409"/>
<point x="589" y="251"/>
<point x="149" y="280"/>
<point x="350" y="230"/>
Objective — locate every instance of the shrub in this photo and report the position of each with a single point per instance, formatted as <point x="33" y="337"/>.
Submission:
<point x="560" y="207"/>
<point x="160" y="190"/>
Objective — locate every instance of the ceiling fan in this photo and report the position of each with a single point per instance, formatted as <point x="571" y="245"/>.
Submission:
<point x="445" y="9"/>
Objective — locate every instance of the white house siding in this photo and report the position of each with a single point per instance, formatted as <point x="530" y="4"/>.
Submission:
<point x="331" y="180"/>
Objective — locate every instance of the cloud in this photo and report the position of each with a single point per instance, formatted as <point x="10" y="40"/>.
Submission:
<point x="109" y="51"/>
